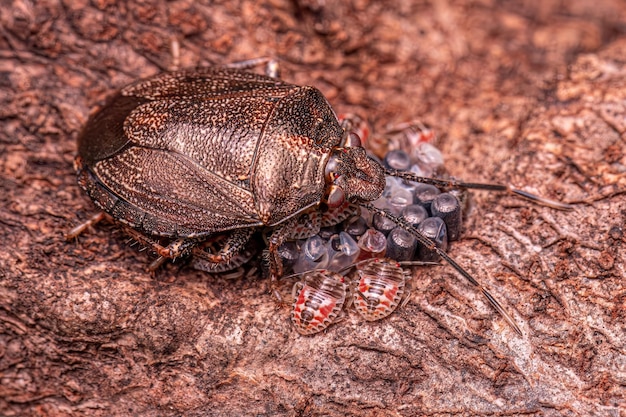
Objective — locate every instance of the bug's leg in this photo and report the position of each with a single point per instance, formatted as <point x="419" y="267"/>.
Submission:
<point x="212" y="246"/>
<point x="296" y="289"/>
<point x="80" y="229"/>
<point x="340" y="317"/>
<point x="174" y="64"/>
<point x="279" y="235"/>
<point x="351" y="122"/>
<point x="409" y="135"/>
<point x="307" y="224"/>
<point x="343" y="313"/>
<point x="408" y="278"/>
<point x="337" y="215"/>
<point x="234" y="244"/>
<point x="275" y="261"/>
<point x="349" y="300"/>
<point x="407" y="296"/>
<point x="272" y="69"/>
<point x="173" y="250"/>
<point x="156" y="264"/>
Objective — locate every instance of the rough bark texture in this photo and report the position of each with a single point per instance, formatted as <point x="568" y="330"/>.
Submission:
<point x="527" y="92"/>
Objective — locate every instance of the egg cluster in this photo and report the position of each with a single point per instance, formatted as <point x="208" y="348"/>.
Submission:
<point x="435" y="213"/>
<point x="358" y="259"/>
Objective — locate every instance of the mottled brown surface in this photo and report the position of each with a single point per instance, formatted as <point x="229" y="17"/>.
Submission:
<point x="528" y="92"/>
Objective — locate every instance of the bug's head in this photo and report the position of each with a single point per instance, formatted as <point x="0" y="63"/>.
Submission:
<point x="351" y="175"/>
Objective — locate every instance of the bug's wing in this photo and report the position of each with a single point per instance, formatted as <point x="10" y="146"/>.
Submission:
<point x="207" y="84"/>
<point x="174" y="153"/>
<point x="215" y="99"/>
<point x="168" y="194"/>
<point x="297" y="141"/>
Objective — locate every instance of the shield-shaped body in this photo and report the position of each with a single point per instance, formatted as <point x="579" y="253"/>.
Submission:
<point x="378" y="288"/>
<point x="192" y="153"/>
<point x="319" y="298"/>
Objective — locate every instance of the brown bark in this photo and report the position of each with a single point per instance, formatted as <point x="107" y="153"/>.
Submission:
<point x="531" y="93"/>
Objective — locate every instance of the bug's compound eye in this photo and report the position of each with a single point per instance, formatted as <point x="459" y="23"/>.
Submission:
<point x="336" y="197"/>
<point x="352" y="141"/>
<point x="332" y="166"/>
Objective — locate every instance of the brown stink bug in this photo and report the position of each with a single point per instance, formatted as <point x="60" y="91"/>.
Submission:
<point x="186" y="155"/>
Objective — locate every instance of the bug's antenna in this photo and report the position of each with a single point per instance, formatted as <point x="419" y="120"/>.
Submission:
<point x="424" y="240"/>
<point x="452" y="183"/>
<point x="355" y="264"/>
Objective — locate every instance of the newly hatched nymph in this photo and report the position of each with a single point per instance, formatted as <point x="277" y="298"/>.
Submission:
<point x="379" y="288"/>
<point x="319" y="299"/>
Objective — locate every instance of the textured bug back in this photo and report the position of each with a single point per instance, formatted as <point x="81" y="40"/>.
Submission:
<point x="292" y="155"/>
<point x="318" y="301"/>
<point x="379" y="287"/>
<point x="192" y="153"/>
